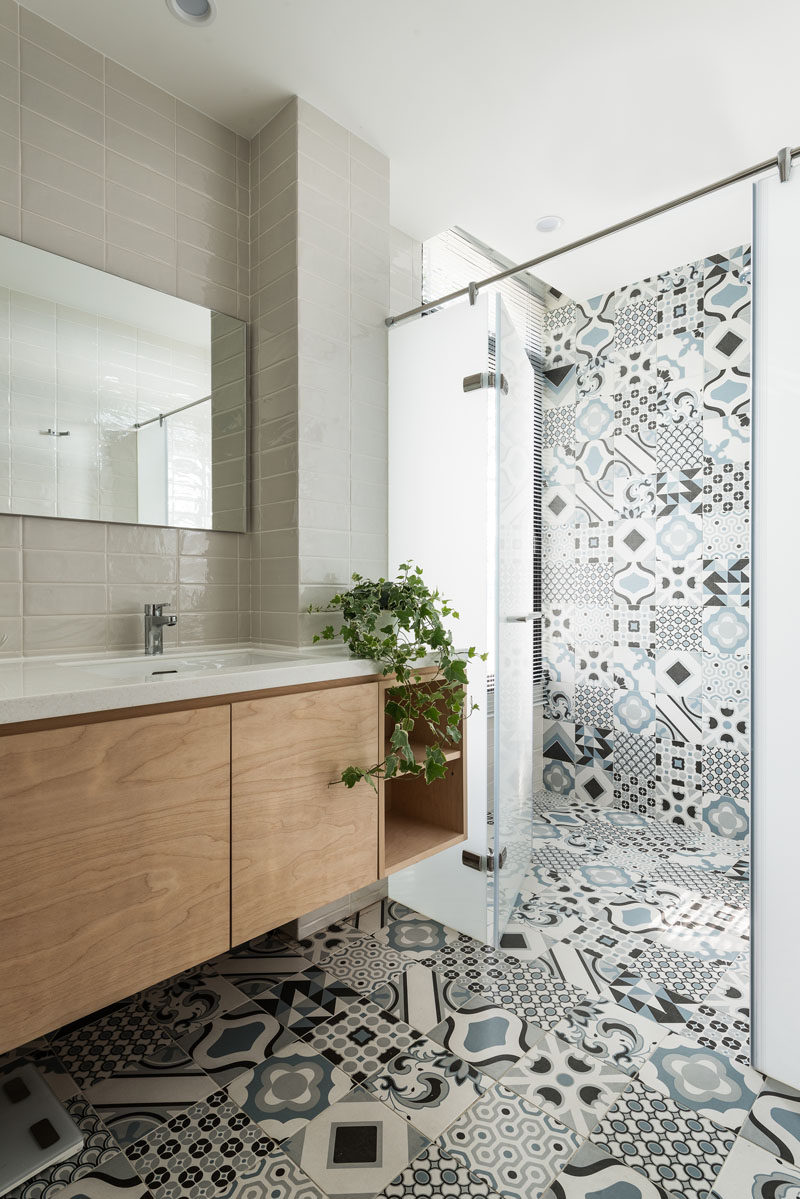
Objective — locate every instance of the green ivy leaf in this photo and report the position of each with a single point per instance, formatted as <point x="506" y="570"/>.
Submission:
<point x="435" y="764"/>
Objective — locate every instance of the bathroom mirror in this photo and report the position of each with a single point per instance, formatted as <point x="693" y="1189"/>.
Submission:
<point x="117" y="402"/>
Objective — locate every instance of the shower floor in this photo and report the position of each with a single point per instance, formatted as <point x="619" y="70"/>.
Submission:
<point x="603" y="1050"/>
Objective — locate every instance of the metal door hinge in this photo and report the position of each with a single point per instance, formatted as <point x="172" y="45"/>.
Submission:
<point x="490" y="860"/>
<point x="476" y="862"/>
<point x="485" y="379"/>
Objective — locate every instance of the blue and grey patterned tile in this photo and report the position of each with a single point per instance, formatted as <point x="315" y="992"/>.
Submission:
<point x="435" y="1172"/>
<point x="96" y="1047"/>
<point x="602" y="1029"/>
<point x="702" y="1079"/>
<point x="774" y="1121"/>
<point x="231" y="1043"/>
<point x="361" y="1039"/>
<point x="428" y="1086"/>
<point x="592" y="1173"/>
<point x="753" y="1173"/>
<point x="257" y="965"/>
<point x="303" y="1001"/>
<point x="420" y="997"/>
<point x="190" y="998"/>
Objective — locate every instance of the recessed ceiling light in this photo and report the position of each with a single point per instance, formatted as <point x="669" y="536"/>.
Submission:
<point x="193" y="12"/>
<point x="549" y="224"/>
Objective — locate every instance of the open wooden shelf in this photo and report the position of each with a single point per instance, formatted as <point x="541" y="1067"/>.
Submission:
<point x="419" y="819"/>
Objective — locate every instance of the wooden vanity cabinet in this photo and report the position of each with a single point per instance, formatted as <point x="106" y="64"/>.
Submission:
<point x="296" y="841"/>
<point x="114" y="861"/>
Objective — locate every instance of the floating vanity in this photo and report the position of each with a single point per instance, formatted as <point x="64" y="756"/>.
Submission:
<point x="157" y="811"/>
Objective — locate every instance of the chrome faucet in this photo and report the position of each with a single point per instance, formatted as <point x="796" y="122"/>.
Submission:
<point x="154" y="621"/>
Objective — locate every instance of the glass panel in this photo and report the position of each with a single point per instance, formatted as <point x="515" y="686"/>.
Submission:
<point x="117" y="402"/>
<point x="513" y="615"/>
<point x="775" y="646"/>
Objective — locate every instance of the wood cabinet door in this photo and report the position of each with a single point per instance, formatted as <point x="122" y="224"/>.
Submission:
<point x="114" y="862"/>
<point x="297" y="842"/>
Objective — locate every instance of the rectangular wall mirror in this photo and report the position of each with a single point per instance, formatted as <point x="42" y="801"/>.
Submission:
<point x="117" y="402"/>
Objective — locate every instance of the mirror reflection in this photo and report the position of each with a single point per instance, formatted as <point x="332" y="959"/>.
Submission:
<point x="117" y="402"/>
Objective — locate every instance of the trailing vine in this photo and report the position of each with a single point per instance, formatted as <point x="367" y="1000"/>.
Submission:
<point x="399" y="624"/>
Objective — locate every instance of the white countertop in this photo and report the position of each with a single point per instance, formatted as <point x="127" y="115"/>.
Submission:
<point x="40" y="688"/>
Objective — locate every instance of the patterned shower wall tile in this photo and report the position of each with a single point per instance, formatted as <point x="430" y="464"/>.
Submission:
<point x="725" y="816"/>
<point x="727" y="345"/>
<point x="286" y="1091"/>
<point x="594" y="705"/>
<point x="558" y="466"/>
<point x="726" y="440"/>
<point x="679" y="493"/>
<point x="679" y="536"/>
<point x="726" y="581"/>
<point x="750" y="1172"/>
<point x="560" y="1079"/>
<point x="680" y="444"/>
<point x="679" y="628"/>
<point x="594" y="784"/>
<point x="594" y="480"/>
<point x="679" y="583"/>
<point x="634" y="561"/>
<point x="303" y="1001"/>
<point x="594" y="543"/>
<point x="594" y="746"/>
<point x="207" y="1150"/>
<point x="558" y="743"/>
<point x="558" y="580"/>
<point x="558" y="505"/>
<point x="726" y="678"/>
<point x="726" y="724"/>
<point x="115" y="1177"/>
<point x="680" y="367"/>
<point x="593" y="584"/>
<point x="680" y="301"/>
<point x="636" y="395"/>
<point x="726" y="533"/>
<point x="99" y="1148"/>
<point x="233" y="1042"/>
<point x="672" y="1147"/>
<point x="594" y="327"/>
<point x="635" y="323"/>
<point x="705" y="1081"/>
<point x="362" y="1039"/>
<point x="96" y="1048"/>
<point x="594" y="625"/>
<point x="511" y="1145"/>
<point x="421" y="997"/>
<point x="558" y="335"/>
<point x="558" y="389"/>
<point x="558" y="778"/>
<point x="602" y="1029"/>
<point x="634" y="712"/>
<point x="139" y="1096"/>
<point x="558" y="547"/>
<point x="559" y="695"/>
<point x="635" y="628"/>
<point x="726" y="489"/>
<point x="593" y="664"/>
<point x="594" y="417"/>
<point x="634" y="669"/>
<point x="428" y="1086"/>
<point x="634" y="494"/>
<point x="558" y="426"/>
<point x="726" y="771"/>
<point x="774" y="1121"/>
<point x="592" y="1173"/>
<point x="355" y="1147"/>
<point x="257" y="965"/>
<point x="634" y="754"/>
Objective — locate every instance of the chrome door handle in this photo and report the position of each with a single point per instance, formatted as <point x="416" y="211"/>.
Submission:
<point x="524" y="619"/>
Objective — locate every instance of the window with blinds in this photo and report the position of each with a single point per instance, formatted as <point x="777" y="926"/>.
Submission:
<point x="452" y="260"/>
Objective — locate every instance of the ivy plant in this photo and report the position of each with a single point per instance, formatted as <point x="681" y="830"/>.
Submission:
<point x="400" y="624"/>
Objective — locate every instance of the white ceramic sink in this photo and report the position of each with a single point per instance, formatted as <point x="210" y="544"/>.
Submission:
<point x="167" y="666"/>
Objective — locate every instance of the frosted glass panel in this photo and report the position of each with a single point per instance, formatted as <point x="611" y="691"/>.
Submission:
<point x="776" y="647"/>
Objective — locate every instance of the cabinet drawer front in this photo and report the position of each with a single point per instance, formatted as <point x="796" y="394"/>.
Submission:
<point x="114" y="869"/>
<point x="297" y="842"/>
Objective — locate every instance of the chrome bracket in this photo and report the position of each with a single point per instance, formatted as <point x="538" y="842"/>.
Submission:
<point x="486" y="379"/>
<point x="784" y="161"/>
<point x="472" y="292"/>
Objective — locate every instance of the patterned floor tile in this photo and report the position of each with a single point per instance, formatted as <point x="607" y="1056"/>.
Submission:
<point x="420" y="996"/>
<point x="533" y="993"/>
<point x="464" y="957"/>
<point x="587" y="969"/>
<point x="679" y="972"/>
<point x="303" y="1001"/>
<point x="257" y="965"/>
<point x="647" y="997"/>
<point x="602" y="1029"/>
<point x="233" y="1042"/>
<point x="724" y="1030"/>
<point x="435" y="1173"/>
<point x="428" y="1086"/>
<point x="355" y="1147"/>
<point x="774" y="1121"/>
<point x="138" y="1097"/>
<point x="416" y="935"/>
<point x="190" y="998"/>
<point x="94" y="1048"/>
<point x="212" y="1148"/>
<point x="377" y="915"/>
<point x="675" y="1148"/>
<point x="510" y="1144"/>
<point x="752" y="1173"/>
<point x="98" y="1147"/>
<point x="592" y="1174"/>
<point x="489" y="1037"/>
<point x="290" y="1088"/>
<point x="706" y="1081"/>
<point x="362" y="1038"/>
<point x="561" y="1079"/>
<point x="360" y="961"/>
<point x="114" y="1177"/>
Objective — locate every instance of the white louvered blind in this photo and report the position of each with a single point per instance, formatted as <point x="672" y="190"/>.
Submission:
<point x="450" y="261"/>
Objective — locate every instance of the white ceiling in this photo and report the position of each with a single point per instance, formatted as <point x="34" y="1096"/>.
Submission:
<point x="493" y="114"/>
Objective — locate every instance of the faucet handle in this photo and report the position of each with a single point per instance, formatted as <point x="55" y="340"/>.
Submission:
<point x="156" y="609"/>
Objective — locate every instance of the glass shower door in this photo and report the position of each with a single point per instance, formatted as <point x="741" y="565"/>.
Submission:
<point x="513" y="617"/>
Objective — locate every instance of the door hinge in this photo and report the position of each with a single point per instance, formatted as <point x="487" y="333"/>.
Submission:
<point x="476" y="862"/>
<point x="490" y="860"/>
<point x="486" y="379"/>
